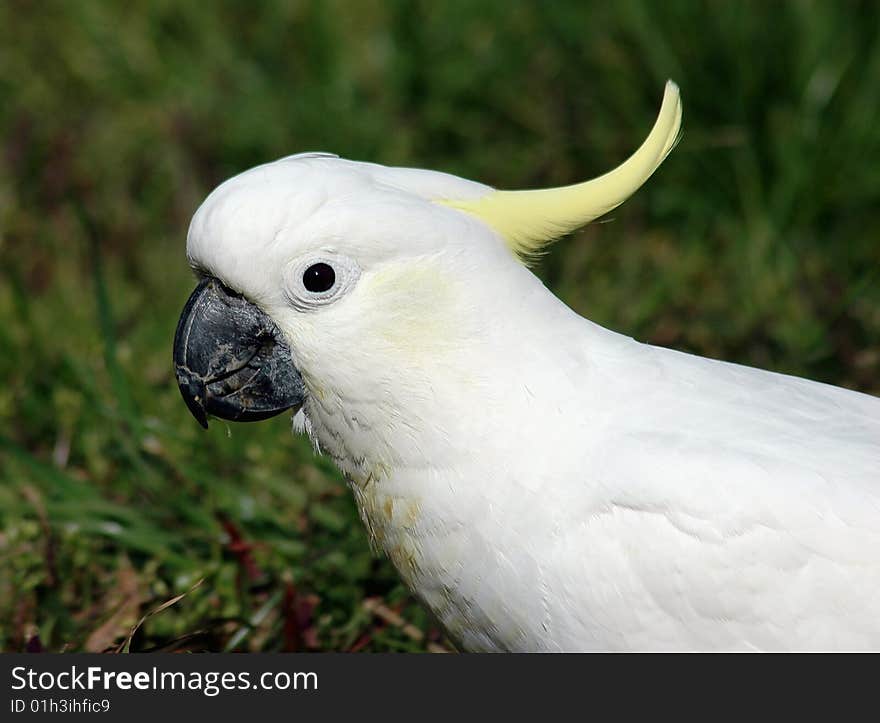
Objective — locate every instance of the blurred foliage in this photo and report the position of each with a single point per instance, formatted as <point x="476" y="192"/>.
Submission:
<point x="758" y="241"/>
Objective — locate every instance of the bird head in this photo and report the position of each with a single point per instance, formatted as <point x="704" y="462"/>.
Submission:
<point x="361" y="296"/>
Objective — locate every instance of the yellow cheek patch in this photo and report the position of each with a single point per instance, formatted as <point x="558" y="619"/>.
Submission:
<point x="412" y="307"/>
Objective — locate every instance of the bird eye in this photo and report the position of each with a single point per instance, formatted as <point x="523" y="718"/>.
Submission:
<point x="319" y="278"/>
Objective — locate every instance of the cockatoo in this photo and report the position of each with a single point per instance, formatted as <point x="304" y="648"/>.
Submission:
<point x="539" y="482"/>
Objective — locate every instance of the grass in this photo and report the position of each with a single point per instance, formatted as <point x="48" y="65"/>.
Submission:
<point x="756" y="242"/>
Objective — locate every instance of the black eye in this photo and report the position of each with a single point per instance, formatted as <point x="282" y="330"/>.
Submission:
<point x="319" y="277"/>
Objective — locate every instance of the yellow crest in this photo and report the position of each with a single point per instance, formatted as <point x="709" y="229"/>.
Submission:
<point x="529" y="220"/>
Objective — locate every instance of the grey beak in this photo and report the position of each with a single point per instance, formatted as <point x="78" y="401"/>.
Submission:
<point x="231" y="360"/>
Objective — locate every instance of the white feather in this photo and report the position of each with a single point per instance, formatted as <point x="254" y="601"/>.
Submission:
<point x="542" y="483"/>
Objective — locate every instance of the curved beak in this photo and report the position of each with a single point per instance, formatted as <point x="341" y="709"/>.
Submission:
<point x="231" y="360"/>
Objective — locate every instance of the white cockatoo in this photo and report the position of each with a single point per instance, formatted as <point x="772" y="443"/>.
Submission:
<point x="540" y="483"/>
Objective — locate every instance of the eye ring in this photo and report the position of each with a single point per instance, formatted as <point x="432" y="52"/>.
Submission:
<point x="316" y="280"/>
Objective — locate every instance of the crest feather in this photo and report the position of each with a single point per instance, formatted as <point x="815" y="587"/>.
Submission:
<point x="529" y="220"/>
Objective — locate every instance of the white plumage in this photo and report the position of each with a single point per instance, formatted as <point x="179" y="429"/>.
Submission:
<point x="540" y="482"/>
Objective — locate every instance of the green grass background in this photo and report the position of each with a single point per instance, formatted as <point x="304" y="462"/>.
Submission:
<point x="758" y="241"/>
